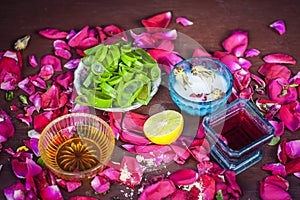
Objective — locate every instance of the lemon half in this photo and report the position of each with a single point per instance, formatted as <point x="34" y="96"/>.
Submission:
<point x="164" y="127"/>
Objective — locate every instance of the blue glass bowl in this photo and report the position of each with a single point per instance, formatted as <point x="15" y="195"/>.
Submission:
<point x="200" y="85"/>
<point x="237" y="135"/>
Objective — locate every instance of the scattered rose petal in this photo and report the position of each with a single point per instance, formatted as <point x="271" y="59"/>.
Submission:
<point x="131" y="171"/>
<point x="158" y="190"/>
<point x="63" y="53"/>
<point x="65" y="80"/>
<point x="82" y="198"/>
<point x="184" y="21"/>
<point x="32" y="144"/>
<point x="7" y="129"/>
<point x="290" y="115"/>
<point x="78" y="37"/>
<point x="273" y="187"/>
<point x="279" y="127"/>
<point x="184" y="177"/>
<point x="51" y="192"/>
<point x="279" y="26"/>
<point x="251" y="53"/>
<point x="46" y="72"/>
<point x="279" y="58"/>
<point x="27" y="86"/>
<point x="236" y="43"/>
<point x="61" y="44"/>
<point x="10" y="73"/>
<point x="51" y="60"/>
<point x="100" y="184"/>
<point x="25" y="119"/>
<point x="160" y="20"/>
<point x="201" y="52"/>
<point x="275" y="168"/>
<point x="272" y="71"/>
<point x="15" y="192"/>
<point x="281" y="92"/>
<point x="112" y="30"/>
<point x="42" y="120"/>
<point x="72" y="64"/>
<point x="32" y="61"/>
<point x="73" y="185"/>
<point x="110" y="174"/>
<point x="293" y="149"/>
<point x="53" y="33"/>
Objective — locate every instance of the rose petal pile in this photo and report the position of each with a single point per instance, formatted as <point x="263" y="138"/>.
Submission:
<point x="50" y="94"/>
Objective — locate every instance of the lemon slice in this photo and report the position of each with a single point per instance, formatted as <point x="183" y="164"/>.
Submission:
<point x="164" y="127"/>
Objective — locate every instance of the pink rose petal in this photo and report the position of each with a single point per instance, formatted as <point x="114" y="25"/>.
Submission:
<point x="46" y="72"/>
<point x="184" y="177"/>
<point x="73" y="185"/>
<point x="78" y="37"/>
<point x="251" y="53"/>
<point x="63" y="53"/>
<point x="51" y="192"/>
<point x="7" y="129"/>
<point x="276" y="89"/>
<point x="166" y="59"/>
<point x="27" y="86"/>
<point x="32" y="144"/>
<point x="61" y="44"/>
<point x="51" y="60"/>
<point x="279" y="58"/>
<point x="273" y="187"/>
<point x="72" y="64"/>
<point x="112" y="30"/>
<point x="10" y="73"/>
<point x="279" y="26"/>
<point x="133" y="138"/>
<point x="201" y="52"/>
<point x="131" y="172"/>
<point x="25" y="119"/>
<point x="231" y="62"/>
<point x="82" y="198"/>
<point x="244" y="63"/>
<point x="293" y="149"/>
<point x="279" y="128"/>
<point x="65" y="80"/>
<point x="272" y="71"/>
<point x="160" y="20"/>
<point x="38" y="81"/>
<point x="236" y="43"/>
<point x="53" y="33"/>
<point x="275" y="168"/>
<point x="184" y="21"/>
<point x="158" y="190"/>
<point x="290" y="115"/>
<point x="42" y="120"/>
<point x="32" y="61"/>
<point x="100" y="184"/>
<point x="165" y="35"/>
<point x="15" y="192"/>
<point x="110" y="174"/>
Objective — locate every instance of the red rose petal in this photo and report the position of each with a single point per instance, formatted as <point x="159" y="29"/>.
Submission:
<point x="46" y="72"/>
<point x="184" y="177"/>
<point x="279" y="128"/>
<point x="160" y="20"/>
<point x="51" y="192"/>
<point x="279" y="26"/>
<point x="279" y="58"/>
<point x="73" y="185"/>
<point x="201" y="52"/>
<point x="51" y="60"/>
<point x="272" y="188"/>
<point x="65" y="80"/>
<point x="16" y="191"/>
<point x="38" y="82"/>
<point x="272" y="71"/>
<point x="281" y="152"/>
<point x="53" y="33"/>
<point x="42" y="120"/>
<point x="184" y="21"/>
<point x="131" y="172"/>
<point x="78" y="37"/>
<point x="158" y="190"/>
<point x="290" y="115"/>
<point x="236" y="43"/>
<point x="25" y="119"/>
<point x="27" y="86"/>
<point x="10" y="73"/>
<point x="112" y="30"/>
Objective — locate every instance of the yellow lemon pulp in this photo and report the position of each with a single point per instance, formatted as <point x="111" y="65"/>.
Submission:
<point x="164" y="127"/>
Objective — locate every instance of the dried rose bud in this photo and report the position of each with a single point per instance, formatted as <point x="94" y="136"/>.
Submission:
<point x="22" y="43"/>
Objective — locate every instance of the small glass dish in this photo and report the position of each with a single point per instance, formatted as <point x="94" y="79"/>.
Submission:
<point x="200" y="85"/>
<point x="76" y="146"/>
<point x="237" y="134"/>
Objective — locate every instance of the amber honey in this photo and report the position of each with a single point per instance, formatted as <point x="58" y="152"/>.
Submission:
<point x="85" y="150"/>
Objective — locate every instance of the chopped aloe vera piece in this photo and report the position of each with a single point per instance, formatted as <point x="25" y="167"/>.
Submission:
<point x="101" y="53"/>
<point x="128" y="93"/>
<point x="97" y="68"/>
<point x="154" y="73"/>
<point x="108" y="90"/>
<point x="144" y="96"/>
<point x="92" y="50"/>
<point x="89" y="79"/>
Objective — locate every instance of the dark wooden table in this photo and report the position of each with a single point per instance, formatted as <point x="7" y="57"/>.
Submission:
<point x="213" y="21"/>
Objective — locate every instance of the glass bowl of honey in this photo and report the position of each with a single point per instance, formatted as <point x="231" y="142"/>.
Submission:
<point x="200" y="85"/>
<point x="76" y="146"/>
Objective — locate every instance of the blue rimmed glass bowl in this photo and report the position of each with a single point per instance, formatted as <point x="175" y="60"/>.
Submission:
<point x="237" y="134"/>
<point x="200" y="85"/>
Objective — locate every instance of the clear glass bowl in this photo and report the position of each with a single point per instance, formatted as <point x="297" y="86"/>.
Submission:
<point x="200" y="85"/>
<point x="237" y="134"/>
<point x="76" y="146"/>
